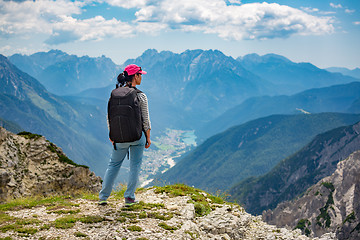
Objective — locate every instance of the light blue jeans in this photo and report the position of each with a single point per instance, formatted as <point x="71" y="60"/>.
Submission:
<point x="136" y="154"/>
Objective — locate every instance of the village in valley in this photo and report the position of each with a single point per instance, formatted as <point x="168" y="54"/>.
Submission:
<point x="165" y="152"/>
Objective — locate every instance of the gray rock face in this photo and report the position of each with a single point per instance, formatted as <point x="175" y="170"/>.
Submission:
<point x="33" y="166"/>
<point x="332" y="205"/>
<point x="294" y="175"/>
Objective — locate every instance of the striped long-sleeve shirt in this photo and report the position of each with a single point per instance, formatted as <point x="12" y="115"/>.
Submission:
<point x="144" y="111"/>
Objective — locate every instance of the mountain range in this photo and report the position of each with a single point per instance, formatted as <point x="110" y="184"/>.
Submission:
<point x="79" y="129"/>
<point x="345" y="71"/>
<point x="185" y="91"/>
<point x="291" y="77"/>
<point x="293" y="175"/>
<point x="250" y="149"/>
<point x="64" y="74"/>
<point x="338" y="98"/>
<point x="196" y="84"/>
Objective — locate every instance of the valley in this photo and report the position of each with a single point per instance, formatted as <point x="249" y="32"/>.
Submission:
<point x="165" y="152"/>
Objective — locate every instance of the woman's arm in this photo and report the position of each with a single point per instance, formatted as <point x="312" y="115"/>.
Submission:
<point x="145" y="117"/>
<point x="148" y="141"/>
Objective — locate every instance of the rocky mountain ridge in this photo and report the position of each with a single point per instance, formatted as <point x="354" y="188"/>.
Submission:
<point x="65" y="74"/>
<point x="293" y="175"/>
<point x="332" y="205"/>
<point x="171" y="212"/>
<point x="31" y="165"/>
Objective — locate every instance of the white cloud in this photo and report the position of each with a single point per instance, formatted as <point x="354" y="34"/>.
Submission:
<point x="357" y="23"/>
<point x="128" y="3"/>
<point x="333" y="5"/>
<point x="349" y="10"/>
<point x="310" y="10"/>
<point x="97" y="28"/>
<point x="33" y="16"/>
<point x="59" y="19"/>
<point x="247" y="21"/>
<point x="234" y="1"/>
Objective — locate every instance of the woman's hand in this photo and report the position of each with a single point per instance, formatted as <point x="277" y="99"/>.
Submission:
<point x="148" y="141"/>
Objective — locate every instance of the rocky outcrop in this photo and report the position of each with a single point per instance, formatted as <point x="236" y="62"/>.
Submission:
<point x="332" y="205"/>
<point x="293" y="175"/>
<point x="159" y="215"/>
<point x="31" y="165"/>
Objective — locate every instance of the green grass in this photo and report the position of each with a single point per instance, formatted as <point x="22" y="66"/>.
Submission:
<point x="143" y="206"/>
<point x="324" y="214"/>
<point x="202" y="201"/>
<point x="350" y="218"/>
<point x="6" y="238"/>
<point x="134" y="228"/>
<point x="304" y="225"/>
<point x="29" y="135"/>
<point x="65" y="222"/>
<point x="118" y="193"/>
<point x="64" y="211"/>
<point x="5" y="218"/>
<point x="80" y="234"/>
<point x="167" y="227"/>
<point x="162" y="216"/>
<point x="91" y="219"/>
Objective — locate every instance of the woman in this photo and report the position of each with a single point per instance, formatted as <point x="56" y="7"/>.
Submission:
<point x="131" y="77"/>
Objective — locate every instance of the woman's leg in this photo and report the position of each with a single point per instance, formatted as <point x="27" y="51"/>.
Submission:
<point x="112" y="171"/>
<point x="136" y="155"/>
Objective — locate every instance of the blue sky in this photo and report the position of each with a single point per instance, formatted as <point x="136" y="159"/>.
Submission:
<point x="325" y="33"/>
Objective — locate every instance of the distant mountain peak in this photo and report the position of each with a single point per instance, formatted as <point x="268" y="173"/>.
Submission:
<point x="256" y="58"/>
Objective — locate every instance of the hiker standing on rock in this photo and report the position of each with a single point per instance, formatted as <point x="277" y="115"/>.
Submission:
<point x="129" y="125"/>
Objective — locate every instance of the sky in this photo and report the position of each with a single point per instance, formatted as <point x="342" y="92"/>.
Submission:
<point x="324" y="33"/>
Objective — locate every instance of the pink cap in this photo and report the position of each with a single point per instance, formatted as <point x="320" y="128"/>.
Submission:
<point x="132" y="69"/>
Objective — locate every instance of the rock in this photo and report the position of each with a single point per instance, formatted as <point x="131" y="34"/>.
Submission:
<point x="332" y="205"/>
<point x="32" y="166"/>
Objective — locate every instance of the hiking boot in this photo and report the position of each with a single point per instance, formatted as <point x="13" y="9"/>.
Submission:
<point x="130" y="201"/>
<point x="102" y="202"/>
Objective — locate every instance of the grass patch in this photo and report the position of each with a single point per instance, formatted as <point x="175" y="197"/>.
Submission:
<point x="80" y="234"/>
<point x="91" y="219"/>
<point x="324" y="214"/>
<point x="28" y="231"/>
<point x="27" y="221"/>
<point x="121" y="219"/>
<point x="119" y="191"/>
<point x="65" y="222"/>
<point x="167" y="227"/>
<point x="30" y="202"/>
<point x="162" y="216"/>
<point x="128" y="215"/>
<point x="65" y="211"/>
<point x="202" y="201"/>
<point x="193" y="235"/>
<point x="304" y="226"/>
<point x="134" y="228"/>
<point x="202" y="208"/>
<point x="29" y="135"/>
<point x="5" y="218"/>
<point x="8" y="227"/>
<point x="62" y="158"/>
<point x="350" y="218"/>
<point x="143" y="206"/>
<point x="89" y="196"/>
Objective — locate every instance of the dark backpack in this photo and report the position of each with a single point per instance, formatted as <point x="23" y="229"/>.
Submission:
<point x="124" y="115"/>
